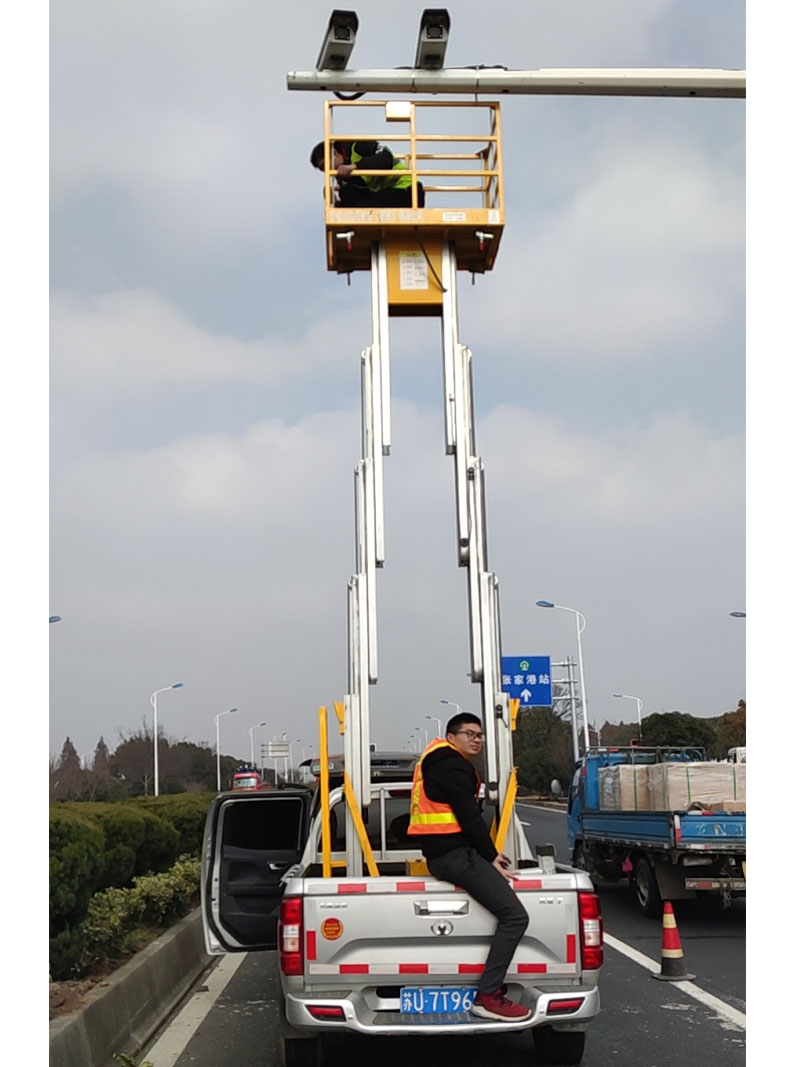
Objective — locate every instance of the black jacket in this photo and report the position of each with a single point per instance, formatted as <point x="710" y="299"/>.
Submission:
<point x="449" y="778"/>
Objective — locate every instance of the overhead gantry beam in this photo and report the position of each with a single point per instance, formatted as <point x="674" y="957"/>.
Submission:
<point x="608" y="81"/>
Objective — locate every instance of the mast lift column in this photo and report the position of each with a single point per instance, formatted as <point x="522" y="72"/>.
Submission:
<point x="413" y="255"/>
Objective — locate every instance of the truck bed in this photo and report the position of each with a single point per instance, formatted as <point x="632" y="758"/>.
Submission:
<point x="682" y="830"/>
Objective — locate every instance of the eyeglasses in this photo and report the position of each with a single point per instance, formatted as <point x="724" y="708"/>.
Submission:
<point x="471" y="735"/>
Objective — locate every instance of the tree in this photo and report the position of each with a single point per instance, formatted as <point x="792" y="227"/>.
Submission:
<point x="67" y="777"/>
<point x="676" y="729"/>
<point x="542" y="749"/>
<point x="732" y="730"/>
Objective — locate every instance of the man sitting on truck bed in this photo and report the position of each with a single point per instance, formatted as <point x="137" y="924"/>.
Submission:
<point x="456" y="844"/>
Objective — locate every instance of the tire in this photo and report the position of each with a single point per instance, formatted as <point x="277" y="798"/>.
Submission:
<point x="645" y="889"/>
<point x="558" y="1047"/>
<point x="301" y="1051"/>
<point x="579" y="858"/>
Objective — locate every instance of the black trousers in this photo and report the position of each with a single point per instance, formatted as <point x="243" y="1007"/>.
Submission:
<point x="466" y="868"/>
<point x="352" y="194"/>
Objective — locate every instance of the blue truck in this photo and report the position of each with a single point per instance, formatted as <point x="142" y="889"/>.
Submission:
<point x="665" y="854"/>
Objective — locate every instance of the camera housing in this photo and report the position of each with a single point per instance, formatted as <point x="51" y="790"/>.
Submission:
<point x="338" y="42"/>
<point x="434" y="28"/>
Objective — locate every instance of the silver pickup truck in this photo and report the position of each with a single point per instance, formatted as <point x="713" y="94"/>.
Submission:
<point x="398" y="954"/>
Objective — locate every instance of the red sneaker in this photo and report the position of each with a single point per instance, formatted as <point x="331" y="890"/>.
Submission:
<point x="496" y="1006"/>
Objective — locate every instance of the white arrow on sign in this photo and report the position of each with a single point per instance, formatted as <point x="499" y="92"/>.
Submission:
<point x="526" y="695"/>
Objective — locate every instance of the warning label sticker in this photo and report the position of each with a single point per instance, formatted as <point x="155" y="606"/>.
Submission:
<point x="413" y="270"/>
<point x="331" y="929"/>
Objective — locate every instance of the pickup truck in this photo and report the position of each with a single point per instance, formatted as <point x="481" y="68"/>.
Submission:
<point x="400" y="953"/>
<point x="666" y="854"/>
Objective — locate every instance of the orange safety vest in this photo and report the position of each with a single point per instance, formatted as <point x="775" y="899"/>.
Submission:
<point x="429" y="816"/>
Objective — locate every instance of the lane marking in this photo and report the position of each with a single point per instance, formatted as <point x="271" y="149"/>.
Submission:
<point x="179" y="1032"/>
<point x="725" y="1011"/>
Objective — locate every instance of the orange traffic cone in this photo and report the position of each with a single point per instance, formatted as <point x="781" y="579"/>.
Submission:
<point x="673" y="969"/>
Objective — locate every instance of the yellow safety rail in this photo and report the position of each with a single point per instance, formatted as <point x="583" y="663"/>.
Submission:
<point x="324" y="796"/>
<point x="508" y="808"/>
<point x="464" y="208"/>
<point x="358" y="822"/>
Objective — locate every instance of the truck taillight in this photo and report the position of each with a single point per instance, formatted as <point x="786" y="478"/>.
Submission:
<point x="290" y="935"/>
<point x="591" y="931"/>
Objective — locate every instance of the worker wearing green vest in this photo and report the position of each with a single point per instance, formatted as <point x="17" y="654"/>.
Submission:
<point x="371" y="190"/>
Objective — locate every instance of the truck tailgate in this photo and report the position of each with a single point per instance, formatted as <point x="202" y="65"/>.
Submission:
<point x="427" y="931"/>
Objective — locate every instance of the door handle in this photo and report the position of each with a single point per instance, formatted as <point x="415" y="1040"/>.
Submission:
<point x="441" y="907"/>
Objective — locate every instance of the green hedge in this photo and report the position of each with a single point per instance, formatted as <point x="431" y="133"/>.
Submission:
<point x="95" y="847"/>
<point x="116" y="917"/>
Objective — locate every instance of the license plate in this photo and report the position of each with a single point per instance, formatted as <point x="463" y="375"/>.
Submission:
<point x="430" y="1000"/>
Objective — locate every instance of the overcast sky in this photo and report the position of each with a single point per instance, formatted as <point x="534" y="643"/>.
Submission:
<point x="204" y="376"/>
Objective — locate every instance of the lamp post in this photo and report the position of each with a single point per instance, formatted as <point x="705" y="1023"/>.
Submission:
<point x="438" y="722"/>
<point x="738" y="614"/>
<point x="230" y="711"/>
<point x="252" y="750"/>
<point x="580" y="625"/>
<point x="420" y="730"/>
<point x="453" y="703"/>
<point x="297" y="741"/>
<point x="55" y="618"/>
<point x="154" y="702"/>
<point x="639" y="705"/>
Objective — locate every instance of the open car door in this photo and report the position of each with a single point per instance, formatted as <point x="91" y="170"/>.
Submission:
<point x="249" y="842"/>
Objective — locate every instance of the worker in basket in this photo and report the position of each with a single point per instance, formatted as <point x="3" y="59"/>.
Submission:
<point x="371" y="190"/>
<point x="446" y="821"/>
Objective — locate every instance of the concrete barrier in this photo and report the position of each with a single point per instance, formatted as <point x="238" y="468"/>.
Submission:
<point x="124" y="1013"/>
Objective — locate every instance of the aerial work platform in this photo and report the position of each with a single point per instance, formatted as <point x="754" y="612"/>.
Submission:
<point x="461" y="173"/>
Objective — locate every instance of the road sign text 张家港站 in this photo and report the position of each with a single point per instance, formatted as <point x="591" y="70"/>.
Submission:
<point x="527" y="678"/>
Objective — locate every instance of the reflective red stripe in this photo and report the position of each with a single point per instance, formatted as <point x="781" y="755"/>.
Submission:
<point x="527" y="883"/>
<point x="571" y="948"/>
<point x="350" y="887"/>
<point x="470" y="968"/>
<point x="354" y="968"/>
<point x="311" y="944"/>
<point x="412" y="968"/>
<point x="410" y="887"/>
<point x="532" y="968"/>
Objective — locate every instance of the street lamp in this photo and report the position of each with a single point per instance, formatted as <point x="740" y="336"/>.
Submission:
<point x="453" y="703"/>
<point x="252" y="750"/>
<point x="438" y="722"/>
<point x="230" y="711"/>
<point x="420" y="730"/>
<point x="580" y="623"/>
<point x="738" y="614"/>
<point x="627" y="696"/>
<point x="154" y="702"/>
<point x="55" y="618"/>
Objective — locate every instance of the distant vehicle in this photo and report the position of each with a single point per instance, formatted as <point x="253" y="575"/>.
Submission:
<point x="395" y="766"/>
<point x="737" y="755"/>
<point x="667" y="853"/>
<point x="246" y="779"/>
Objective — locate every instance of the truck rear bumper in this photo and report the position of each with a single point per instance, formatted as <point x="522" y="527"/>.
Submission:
<point x="361" y="1017"/>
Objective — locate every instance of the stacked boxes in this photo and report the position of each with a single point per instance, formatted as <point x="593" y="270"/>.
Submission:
<point x="624" y="788"/>
<point x="676" y="786"/>
<point x="673" y="786"/>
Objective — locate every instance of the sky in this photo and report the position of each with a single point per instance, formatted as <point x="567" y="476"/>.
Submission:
<point x="204" y="407"/>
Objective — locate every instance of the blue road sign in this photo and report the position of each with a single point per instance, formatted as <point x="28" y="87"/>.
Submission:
<point x="527" y="678"/>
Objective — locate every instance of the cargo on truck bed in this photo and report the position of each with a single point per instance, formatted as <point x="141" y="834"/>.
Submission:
<point x="666" y="818"/>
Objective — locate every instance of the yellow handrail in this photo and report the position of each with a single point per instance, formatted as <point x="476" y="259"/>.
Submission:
<point x="358" y="822"/>
<point x="508" y="808"/>
<point x="324" y="795"/>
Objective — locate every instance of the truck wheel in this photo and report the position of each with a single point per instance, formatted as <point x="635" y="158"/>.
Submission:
<point x="558" y="1047"/>
<point x="645" y="889"/>
<point x="579" y="858"/>
<point x="301" y="1051"/>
